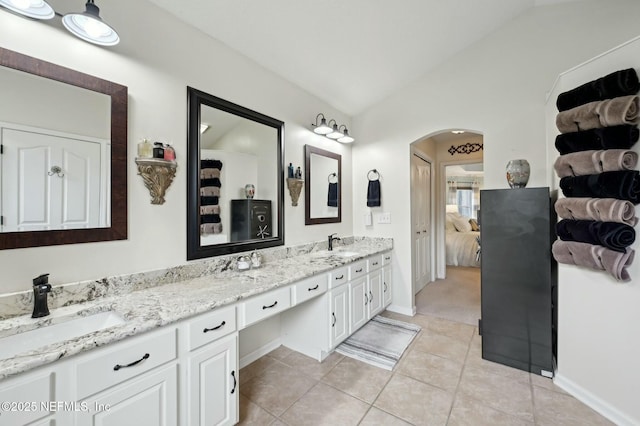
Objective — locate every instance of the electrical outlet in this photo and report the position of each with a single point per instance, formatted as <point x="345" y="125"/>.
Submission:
<point x="384" y="218"/>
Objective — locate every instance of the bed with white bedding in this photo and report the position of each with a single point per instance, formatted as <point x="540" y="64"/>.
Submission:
<point x="462" y="245"/>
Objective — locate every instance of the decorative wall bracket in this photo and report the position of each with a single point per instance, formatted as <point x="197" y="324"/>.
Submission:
<point x="466" y="148"/>
<point x="157" y="175"/>
<point x="295" y="187"/>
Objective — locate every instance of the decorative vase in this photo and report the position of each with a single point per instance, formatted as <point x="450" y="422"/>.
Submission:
<point x="249" y="190"/>
<point x="518" y="172"/>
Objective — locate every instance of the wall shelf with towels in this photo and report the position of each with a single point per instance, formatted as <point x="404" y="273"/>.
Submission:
<point x="157" y="175"/>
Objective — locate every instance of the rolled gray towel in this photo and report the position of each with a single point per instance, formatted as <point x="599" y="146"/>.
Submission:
<point x="210" y="191"/>
<point x="602" y="209"/>
<point x="611" y="112"/>
<point x="592" y="162"/>
<point x="214" y="209"/>
<point x="210" y="228"/>
<point x="594" y="257"/>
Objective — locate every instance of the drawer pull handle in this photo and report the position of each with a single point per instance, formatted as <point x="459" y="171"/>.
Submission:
<point x="206" y="330"/>
<point x="235" y="382"/>
<point x="270" y="306"/>
<point x="118" y="366"/>
<point x="385" y="287"/>
<point x="333" y="324"/>
<point x="314" y="288"/>
<point x="370" y="297"/>
<point x="340" y="277"/>
<point x="358" y="270"/>
<point x="366" y="299"/>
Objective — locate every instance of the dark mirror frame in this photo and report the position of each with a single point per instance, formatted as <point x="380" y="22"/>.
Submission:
<point x="308" y="220"/>
<point x="196" y="98"/>
<point x="119" y="106"/>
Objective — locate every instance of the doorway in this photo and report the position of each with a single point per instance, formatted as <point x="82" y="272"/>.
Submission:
<point x="421" y="220"/>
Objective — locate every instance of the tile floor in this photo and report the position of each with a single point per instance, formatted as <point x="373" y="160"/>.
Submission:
<point x="440" y="380"/>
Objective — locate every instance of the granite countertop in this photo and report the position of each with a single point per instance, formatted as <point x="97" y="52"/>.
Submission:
<point x="154" y="307"/>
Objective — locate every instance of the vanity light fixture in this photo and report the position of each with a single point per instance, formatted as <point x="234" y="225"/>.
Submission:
<point x="90" y="27"/>
<point x="322" y="128"/>
<point x="36" y="9"/>
<point x="345" y="138"/>
<point x="335" y="132"/>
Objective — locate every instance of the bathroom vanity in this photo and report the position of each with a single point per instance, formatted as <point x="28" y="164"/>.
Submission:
<point x="174" y="357"/>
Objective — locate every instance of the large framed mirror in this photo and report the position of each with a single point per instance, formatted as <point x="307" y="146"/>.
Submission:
<point x="323" y="185"/>
<point x="235" y="182"/>
<point x="63" y="168"/>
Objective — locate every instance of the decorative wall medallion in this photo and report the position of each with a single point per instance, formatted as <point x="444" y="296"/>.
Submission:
<point x="467" y="148"/>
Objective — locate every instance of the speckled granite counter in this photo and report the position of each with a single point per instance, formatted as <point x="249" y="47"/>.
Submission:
<point x="146" y="306"/>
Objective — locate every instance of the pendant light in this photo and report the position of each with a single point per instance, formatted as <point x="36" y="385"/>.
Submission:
<point x="90" y="27"/>
<point x="335" y="132"/>
<point x="322" y="128"/>
<point x="346" y="138"/>
<point x="36" y="9"/>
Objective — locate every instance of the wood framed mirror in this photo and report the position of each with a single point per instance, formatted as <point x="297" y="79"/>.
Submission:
<point x="235" y="180"/>
<point x="323" y="186"/>
<point x="64" y="162"/>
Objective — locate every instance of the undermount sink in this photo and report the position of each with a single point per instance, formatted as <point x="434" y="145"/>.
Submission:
<point x="345" y="253"/>
<point x="47" y="334"/>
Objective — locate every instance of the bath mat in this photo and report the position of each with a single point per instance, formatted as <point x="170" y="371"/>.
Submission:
<point x="380" y="342"/>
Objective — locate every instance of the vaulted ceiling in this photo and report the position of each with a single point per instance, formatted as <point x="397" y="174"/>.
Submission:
<point x="350" y="53"/>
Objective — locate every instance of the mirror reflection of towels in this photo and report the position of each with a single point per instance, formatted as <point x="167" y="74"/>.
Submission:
<point x="332" y="197"/>
<point x="373" y="193"/>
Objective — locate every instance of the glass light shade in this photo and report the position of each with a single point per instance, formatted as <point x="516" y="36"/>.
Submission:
<point x="346" y="138"/>
<point x="335" y="133"/>
<point x="89" y="27"/>
<point x="36" y="9"/>
<point x="322" y="128"/>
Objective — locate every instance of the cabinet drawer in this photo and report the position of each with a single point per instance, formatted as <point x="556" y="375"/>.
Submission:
<point x="211" y="326"/>
<point x="309" y="288"/>
<point x="124" y="360"/>
<point x="338" y="276"/>
<point x="386" y="258"/>
<point x="357" y="269"/>
<point x="374" y="262"/>
<point x="263" y="306"/>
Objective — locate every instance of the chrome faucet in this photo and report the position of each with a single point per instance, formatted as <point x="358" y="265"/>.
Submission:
<point x="331" y="240"/>
<point x="41" y="288"/>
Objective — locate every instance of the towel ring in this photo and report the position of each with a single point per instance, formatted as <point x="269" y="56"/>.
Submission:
<point x="335" y="175"/>
<point x="377" y="174"/>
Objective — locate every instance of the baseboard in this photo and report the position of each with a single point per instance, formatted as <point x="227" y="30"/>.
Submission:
<point x="260" y="352"/>
<point x="401" y="310"/>
<point x="589" y="399"/>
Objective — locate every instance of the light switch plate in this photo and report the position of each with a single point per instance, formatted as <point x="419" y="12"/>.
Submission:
<point x="384" y="218"/>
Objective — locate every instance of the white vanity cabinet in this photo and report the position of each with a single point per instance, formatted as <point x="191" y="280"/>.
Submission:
<point x="386" y="279"/>
<point x="339" y="322"/>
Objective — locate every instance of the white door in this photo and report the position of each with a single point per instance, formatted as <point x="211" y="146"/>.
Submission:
<point x="49" y="182"/>
<point x="147" y="400"/>
<point x="421" y="220"/>
<point x="213" y="384"/>
<point x="375" y="293"/>
<point x="339" y="310"/>
<point x="359" y="303"/>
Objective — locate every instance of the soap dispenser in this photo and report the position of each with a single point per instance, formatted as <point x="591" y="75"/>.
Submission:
<point x="41" y="288"/>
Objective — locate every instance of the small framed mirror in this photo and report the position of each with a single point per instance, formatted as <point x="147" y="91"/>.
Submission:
<point x="235" y="181"/>
<point x="323" y="186"/>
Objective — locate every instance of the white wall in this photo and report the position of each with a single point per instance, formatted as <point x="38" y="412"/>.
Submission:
<point x="157" y="59"/>
<point x="598" y="318"/>
<point x="497" y="88"/>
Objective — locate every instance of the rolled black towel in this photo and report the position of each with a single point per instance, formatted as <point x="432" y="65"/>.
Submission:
<point x="209" y="201"/>
<point x="373" y="193"/>
<point x="613" y="235"/>
<point x="623" y="185"/>
<point x="332" y="195"/>
<point x="211" y="164"/>
<point x="614" y="137"/>
<point x="209" y="218"/>
<point x="618" y="83"/>
<point x="210" y="182"/>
